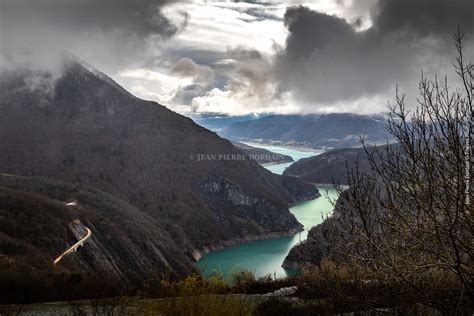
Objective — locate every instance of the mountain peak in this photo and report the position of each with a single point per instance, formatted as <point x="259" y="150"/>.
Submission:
<point x="75" y="65"/>
<point x="90" y="131"/>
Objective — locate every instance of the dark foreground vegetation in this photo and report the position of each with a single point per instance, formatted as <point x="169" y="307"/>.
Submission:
<point x="324" y="290"/>
<point x="410" y="221"/>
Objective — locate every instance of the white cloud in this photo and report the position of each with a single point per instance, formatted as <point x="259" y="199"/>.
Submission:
<point x="152" y="85"/>
<point x="219" y="25"/>
<point x="224" y="84"/>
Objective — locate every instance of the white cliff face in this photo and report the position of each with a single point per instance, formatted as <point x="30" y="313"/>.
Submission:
<point x="227" y="190"/>
<point x="99" y="255"/>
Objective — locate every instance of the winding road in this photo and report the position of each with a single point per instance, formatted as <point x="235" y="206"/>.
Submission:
<point x="78" y="244"/>
<point x="74" y="247"/>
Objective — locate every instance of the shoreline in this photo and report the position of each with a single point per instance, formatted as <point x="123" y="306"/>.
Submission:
<point x="197" y="254"/>
<point x="270" y="145"/>
<point x="308" y="198"/>
<point x="273" y="163"/>
<point x="331" y="186"/>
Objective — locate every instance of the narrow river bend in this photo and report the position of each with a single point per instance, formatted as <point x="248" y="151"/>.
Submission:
<point x="265" y="257"/>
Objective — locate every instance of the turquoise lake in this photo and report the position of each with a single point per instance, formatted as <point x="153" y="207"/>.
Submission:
<point x="294" y="153"/>
<point x="265" y="257"/>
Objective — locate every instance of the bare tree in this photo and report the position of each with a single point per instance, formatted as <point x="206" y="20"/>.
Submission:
<point x="411" y="221"/>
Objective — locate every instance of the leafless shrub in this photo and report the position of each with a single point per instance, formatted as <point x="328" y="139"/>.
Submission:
<point x="410" y="221"/>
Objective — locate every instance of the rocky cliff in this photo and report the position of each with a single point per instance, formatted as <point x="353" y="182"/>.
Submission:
<point x="330" y="167"/>
<point x="301" y="190"/>
<point x="317" y="245"/>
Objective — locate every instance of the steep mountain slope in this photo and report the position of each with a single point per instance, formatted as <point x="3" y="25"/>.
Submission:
<point x="126" y="244"/>
<point x="82" y="127"/>
<point x="262" y="155"/>
<point x="331" y="167"/>
<point x="317" y="245"/>
<point x="317" y="131"/>
<point x="311" y="251"/>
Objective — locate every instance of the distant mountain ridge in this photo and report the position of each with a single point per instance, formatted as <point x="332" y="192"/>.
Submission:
<point x="332" y="166"/>
<point x="329" y="167"/>
<point x="218" y="122"/>
<point x="262" y="155"/>
<point x="316" y="131"/>
<point x="85" y="129"/>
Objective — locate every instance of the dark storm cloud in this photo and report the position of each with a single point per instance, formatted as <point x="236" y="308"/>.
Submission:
<point x="424" y="17"/>
<point x="326" y="60"/>
<point x="106" y="30"/>
<point x="252" y="71"/>
<point x="142" y="17"/>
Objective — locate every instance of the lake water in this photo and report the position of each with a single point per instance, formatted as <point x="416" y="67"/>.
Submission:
<point x="296" y="154"/>
<point x="265" y="257"/>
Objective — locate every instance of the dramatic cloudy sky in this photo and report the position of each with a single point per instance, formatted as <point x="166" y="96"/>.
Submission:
<point x="241" y="57"/>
